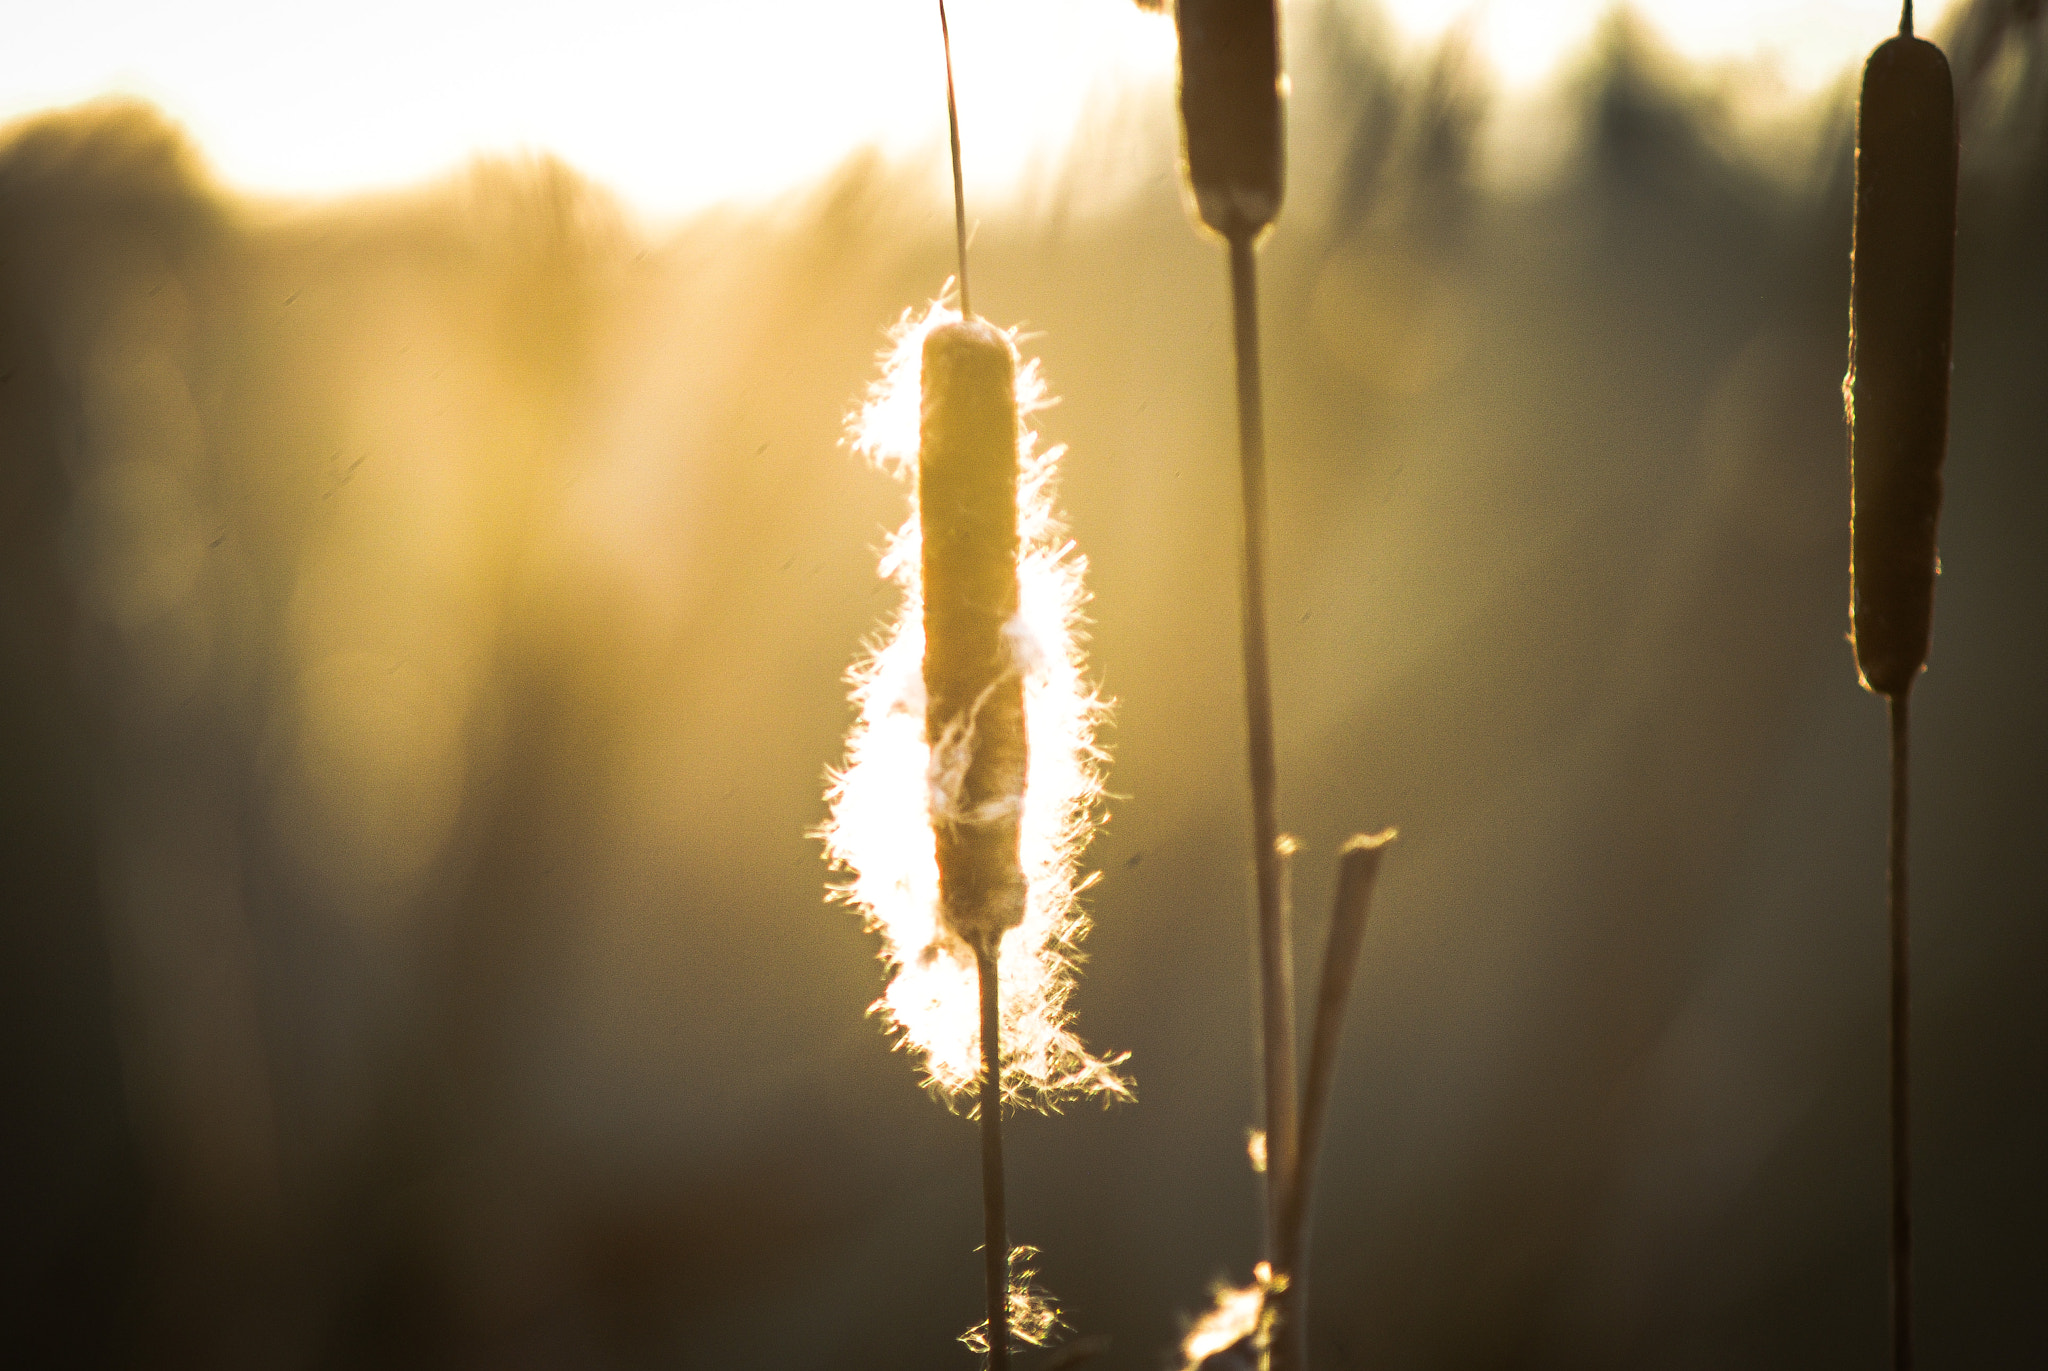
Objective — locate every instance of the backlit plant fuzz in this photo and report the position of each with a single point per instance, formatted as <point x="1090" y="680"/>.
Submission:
<point x="1235" y="1313"/>
<point x="879" y="828"/>
<point x="1034" y="1318"/>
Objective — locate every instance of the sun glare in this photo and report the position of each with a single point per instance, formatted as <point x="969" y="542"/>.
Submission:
<point x="674" y="107"/>
<point x="879" y="830"/>
<point x="681" y="106"/>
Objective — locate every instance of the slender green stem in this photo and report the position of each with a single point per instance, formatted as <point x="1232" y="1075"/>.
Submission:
<point x="1275" y="952"/>
<point x="995" y="1228"/>
<point x="1901" y="1044"/>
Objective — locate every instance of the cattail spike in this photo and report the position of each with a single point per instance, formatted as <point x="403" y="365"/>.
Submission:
<point x="1906" y="20"/>
<point x="974" y="692"/>
<point x="1901" y="307"/>
<point x="946" y="387"/>
<point x="1230" y="111"/>
<point x="1901" y="303"/>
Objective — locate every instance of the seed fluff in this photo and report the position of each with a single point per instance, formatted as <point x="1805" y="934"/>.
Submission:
<point x="878" y="830"/>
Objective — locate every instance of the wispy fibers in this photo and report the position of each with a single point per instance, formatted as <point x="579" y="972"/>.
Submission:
<point x="1901" y="306"/>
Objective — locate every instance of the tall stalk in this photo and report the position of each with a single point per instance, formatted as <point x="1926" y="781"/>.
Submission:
<point x="1276" y="950"/>
<point x="994" y="1224"/>
<point x="1900" y="1042"/>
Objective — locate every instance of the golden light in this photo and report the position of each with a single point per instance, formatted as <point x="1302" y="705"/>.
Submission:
<point x="673" y="107"/>
<point x="1034" y="1318"/>
<point x="879" y="829"/>
<point x="1233" y="1315"/>
<point x="680" y="106"/>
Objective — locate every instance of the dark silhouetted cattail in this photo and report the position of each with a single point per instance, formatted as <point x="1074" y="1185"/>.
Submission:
<point x="1230" y="111"/>
<point x="974" y="691"/>
<point x="1900" y="305"/>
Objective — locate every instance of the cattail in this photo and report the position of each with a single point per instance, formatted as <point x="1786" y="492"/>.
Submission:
<point x="1230" y="118"/>
<point x="1230" y="111"/>
<point x="974" y="705"/>
<point x="974" y="687"/>
<point x="1901" y="295"/>
<point x="1901" y="304"/>
<point x="972" y="773"/>
<point x="975" y="876"/>
<point x="905" y="782"/>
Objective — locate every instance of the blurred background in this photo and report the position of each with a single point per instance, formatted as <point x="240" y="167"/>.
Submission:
<point x="426" y="595"/>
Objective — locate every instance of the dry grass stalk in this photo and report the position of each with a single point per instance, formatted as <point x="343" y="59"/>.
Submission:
<point x="1357" y="873"/>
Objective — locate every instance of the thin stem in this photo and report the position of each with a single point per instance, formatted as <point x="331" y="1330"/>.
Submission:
<point x="959" y="185"/>
<point x="995" y="1229"/>
<point x="1360" y="869"/>
<point x="1275" y="952"/>
<point x="1901" y="1042"/>
<point x="1280" y="1056"/>
<point x="1906" y="20"/>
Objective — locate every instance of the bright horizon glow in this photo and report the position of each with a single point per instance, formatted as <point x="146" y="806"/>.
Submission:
<point x="680" y="106"/>
<point x="1802" y="44"/>
<point x="673" y="107"/>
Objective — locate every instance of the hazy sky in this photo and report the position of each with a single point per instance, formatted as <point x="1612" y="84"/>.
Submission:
<point x="678" y="104"/>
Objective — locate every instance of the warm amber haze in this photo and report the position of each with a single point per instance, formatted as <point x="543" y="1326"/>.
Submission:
<point x="423" y="628"/>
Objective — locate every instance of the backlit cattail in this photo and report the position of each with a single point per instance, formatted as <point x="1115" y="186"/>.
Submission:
<point x="898" y="783"/>
<point x="972" y="772"/>
<point x="974" y="708"/>
<point x="1901" y="303"/>
<point x="1902" y="288"/>
<point x="974" y="685"/>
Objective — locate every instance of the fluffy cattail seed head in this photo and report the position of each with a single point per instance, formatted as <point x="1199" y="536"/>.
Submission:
<point x="974" y="689"/>
<point x="882" y="801"/>
<point x="1901" y="302"/>
<point x="1230" y="111"/>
